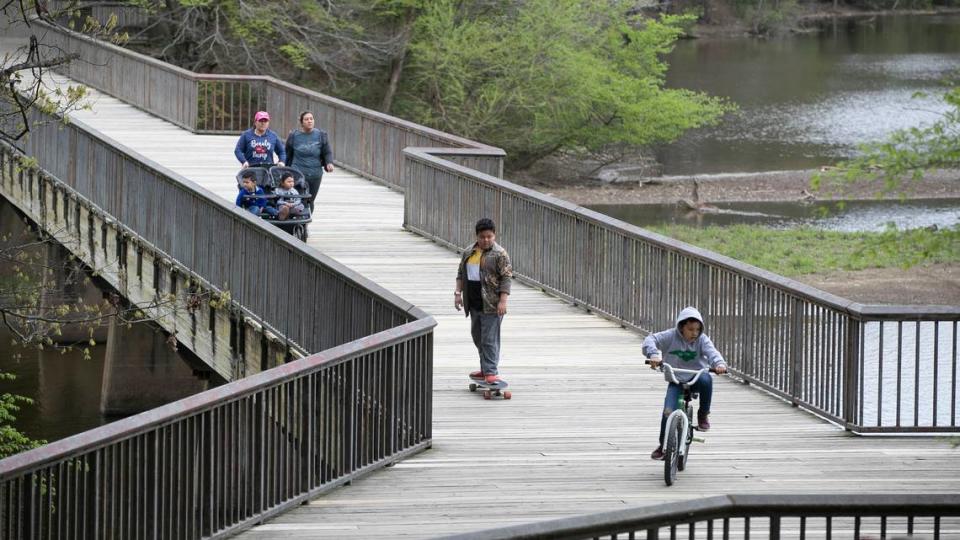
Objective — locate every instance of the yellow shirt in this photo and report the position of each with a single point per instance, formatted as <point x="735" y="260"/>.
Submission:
<point x="473" y="265"/>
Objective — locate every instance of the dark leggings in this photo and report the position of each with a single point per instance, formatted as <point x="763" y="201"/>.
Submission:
<point x="314" y="183"/>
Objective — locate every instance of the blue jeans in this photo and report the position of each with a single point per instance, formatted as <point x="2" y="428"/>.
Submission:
<point x="256" y="210"/>
<point x="485" y="330"/>
<point x="704" y="387"/>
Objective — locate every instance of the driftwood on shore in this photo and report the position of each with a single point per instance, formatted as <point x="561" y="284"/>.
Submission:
<point x="693" y="203"/>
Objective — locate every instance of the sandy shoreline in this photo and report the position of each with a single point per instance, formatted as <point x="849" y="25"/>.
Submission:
<point x="779" y="186"/>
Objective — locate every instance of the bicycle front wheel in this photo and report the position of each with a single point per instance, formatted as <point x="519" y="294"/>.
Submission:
<point x="686" y="445"/>
<point x="671" y="450"/>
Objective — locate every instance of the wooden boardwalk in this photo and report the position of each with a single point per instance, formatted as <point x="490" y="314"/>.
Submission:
<point x="576" y="437"/>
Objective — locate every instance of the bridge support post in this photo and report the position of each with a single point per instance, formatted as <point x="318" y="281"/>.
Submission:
<point x="142" y="371"/>
<point x="72" y="286"/>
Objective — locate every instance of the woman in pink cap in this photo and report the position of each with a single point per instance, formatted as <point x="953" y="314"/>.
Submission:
<point x="258" y="144"/>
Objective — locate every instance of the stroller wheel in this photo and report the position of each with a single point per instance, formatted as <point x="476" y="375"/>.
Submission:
<point x="300" y="231"/>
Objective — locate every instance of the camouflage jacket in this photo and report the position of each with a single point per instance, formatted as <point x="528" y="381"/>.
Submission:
<point x="495" y="276"/>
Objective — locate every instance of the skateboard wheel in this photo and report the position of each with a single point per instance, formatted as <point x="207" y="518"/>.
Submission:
<point x="487" y="394"/>
<point x="473" y="387"/>
<point x="507" y="394"/>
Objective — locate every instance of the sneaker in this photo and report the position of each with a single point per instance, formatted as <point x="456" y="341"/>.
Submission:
<point x="657" y="454"/>
<point x="477" y="375"/>
<point x="703" y="424"/>
<point x="492" y="378"/>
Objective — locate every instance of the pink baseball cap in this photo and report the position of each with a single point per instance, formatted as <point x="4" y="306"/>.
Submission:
<point x="262" y="115"/>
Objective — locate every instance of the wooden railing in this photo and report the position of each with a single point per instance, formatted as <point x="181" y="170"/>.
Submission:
<point x="869" y="368"/>
<point x="770" y="516"/>
<point x="220" y="461"/>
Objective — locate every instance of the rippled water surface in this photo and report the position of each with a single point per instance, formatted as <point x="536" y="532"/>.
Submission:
<point x="808" y="100"/>
<point x="852" y="216"/>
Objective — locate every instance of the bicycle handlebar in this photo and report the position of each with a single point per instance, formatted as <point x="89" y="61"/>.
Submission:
<point x="680" y="370"/>
<point x="669" y="373"/>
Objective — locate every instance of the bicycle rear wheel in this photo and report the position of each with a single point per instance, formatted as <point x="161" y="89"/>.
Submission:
<point x="671" y="450"/>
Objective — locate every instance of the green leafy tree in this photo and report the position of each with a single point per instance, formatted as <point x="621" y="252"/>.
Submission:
<point x="542" y="76"/>
<point x="12" y="440"/>
<point x="907" y="155"/>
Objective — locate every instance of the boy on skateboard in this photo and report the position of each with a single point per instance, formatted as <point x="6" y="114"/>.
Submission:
<point x="483" y="285"/>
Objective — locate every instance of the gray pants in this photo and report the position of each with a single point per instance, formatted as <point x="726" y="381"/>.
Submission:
<point x="485" y="329"/>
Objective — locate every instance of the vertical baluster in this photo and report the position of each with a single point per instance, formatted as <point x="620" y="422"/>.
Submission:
<point x="916" y="376"/>
<point x="136" y="486"/>
<point x="936" y="368"/>
<point x="774" y="528"/>
<point x="899" y="367"/>
<point x="861" y="368"/>
<point x="880" y="377"/>
<point x="953" y="380"/>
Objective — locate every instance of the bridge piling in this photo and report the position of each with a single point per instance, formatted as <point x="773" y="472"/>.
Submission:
<point x="142" y="370"/>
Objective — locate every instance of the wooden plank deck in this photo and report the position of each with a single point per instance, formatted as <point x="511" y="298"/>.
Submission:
<point x="576" y="437"/>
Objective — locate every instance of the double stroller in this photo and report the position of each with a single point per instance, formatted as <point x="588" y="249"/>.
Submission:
<point x="268" y="178"/>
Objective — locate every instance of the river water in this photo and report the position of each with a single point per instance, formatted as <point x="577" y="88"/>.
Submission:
<point x="808" y="100"/>
<point x="65" y="388"/>
<point x="852" y="216"/>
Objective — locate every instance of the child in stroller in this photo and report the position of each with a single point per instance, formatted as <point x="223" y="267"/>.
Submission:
<point x="288" y="198"/>
<point x="277" y="198"/>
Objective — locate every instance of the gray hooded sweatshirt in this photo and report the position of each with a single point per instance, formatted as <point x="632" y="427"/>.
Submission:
<point x="681" y="353"/>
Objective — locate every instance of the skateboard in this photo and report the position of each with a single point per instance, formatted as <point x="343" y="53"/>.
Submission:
<point x="490" y="390"/>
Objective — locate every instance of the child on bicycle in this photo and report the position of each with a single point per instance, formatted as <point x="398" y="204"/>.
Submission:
<point x="687" y="347"/>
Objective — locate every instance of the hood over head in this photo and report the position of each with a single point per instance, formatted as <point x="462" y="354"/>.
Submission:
<point x="690" y="312"/>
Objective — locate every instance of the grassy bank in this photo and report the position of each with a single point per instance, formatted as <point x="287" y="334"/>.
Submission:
<point x="796" y="252"/>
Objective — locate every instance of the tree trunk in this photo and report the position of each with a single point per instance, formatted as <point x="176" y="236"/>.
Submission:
<point x="396" y="69"/>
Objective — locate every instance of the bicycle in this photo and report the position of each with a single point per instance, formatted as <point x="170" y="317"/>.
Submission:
<point x="679" y="427"/>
